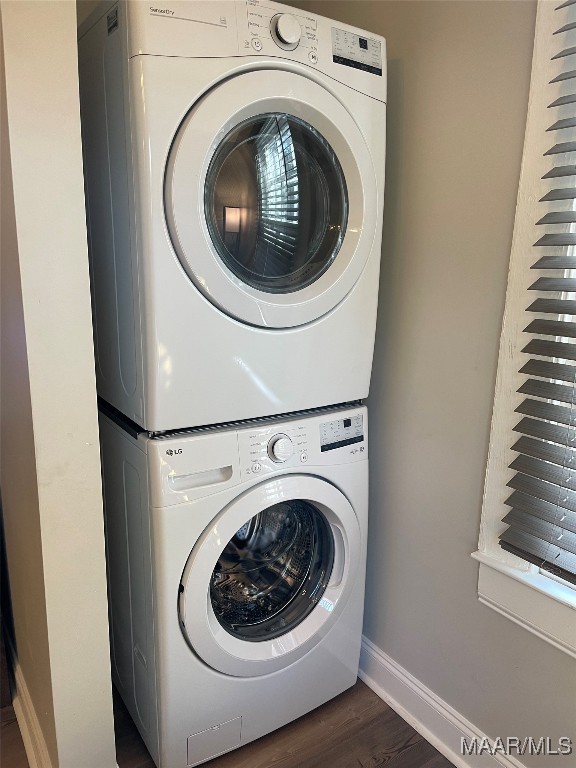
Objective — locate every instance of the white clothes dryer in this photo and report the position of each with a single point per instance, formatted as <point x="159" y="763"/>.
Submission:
<point x="236" y="562"/>
<point x="234" y="160"/>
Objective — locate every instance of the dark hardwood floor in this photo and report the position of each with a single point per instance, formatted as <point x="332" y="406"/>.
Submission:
<point x="12" y="754"/>
<point x="355" y="730"/>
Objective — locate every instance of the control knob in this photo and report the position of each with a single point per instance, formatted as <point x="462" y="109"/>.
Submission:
<point x="280" y="448"/>
<point x="286" y="31"/>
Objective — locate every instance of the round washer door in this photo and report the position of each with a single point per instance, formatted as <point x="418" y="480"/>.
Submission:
<point x="271" y="575"/>
<point x="271" y="198"/>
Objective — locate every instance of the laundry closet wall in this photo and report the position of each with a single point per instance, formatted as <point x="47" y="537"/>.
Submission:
<point x="49" y="461"/>
<point x="458" y="89"/>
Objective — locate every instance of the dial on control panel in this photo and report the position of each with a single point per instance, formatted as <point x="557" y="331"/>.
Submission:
<point x="286" y="31"/>
<point x="280" y="448"/>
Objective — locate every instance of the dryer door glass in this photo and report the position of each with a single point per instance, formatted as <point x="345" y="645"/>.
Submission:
<point x="276" y="203"/>
<point x="273" y="571"/>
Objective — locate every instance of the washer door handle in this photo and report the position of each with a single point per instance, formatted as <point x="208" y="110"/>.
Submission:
<point x="339" y="556"/>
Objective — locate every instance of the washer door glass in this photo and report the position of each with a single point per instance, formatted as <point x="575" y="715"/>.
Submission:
<point x="270" y="575"/>
<point x="273" y="571"/>
<point x="276" y="203"/>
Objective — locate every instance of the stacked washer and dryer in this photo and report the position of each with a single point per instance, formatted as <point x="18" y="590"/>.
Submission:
<point x="234" y="164"/>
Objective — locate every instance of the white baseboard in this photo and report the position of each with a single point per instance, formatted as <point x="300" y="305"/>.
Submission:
<point x="432" y="717"/>
<point x="32" y="736"/>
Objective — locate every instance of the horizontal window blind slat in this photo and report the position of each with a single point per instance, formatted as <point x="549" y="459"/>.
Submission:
<point x="538" y="489"/>
<point x="542" y="509"/>
<point x="560" y="170"/>
<point x="548" y="370"/>
<point x="551" y="328"/>
<point x="553" y="306"/>
<point x="557" y="571"/>
<point x="546" y="431"/>
<point x="538" y="449"/>
<point x="555" y="262"/>
<point x="548" y="390"/>
<point x="560" y="149"/>
<point x="565" y="193"/>
<point x="563" y="53"/>
<point x="565" y="28"/>
<point x="528" y="548"/>
<point x="542" y="529"/>
<point x="559" y="414"/>
<point x="554" y="284"/>
<point x="558" y="79"/>
<point x="558" y="217"/>
<point x="542" y="348"/>
<point x="557" y="238"/>
<point x="565" y="4"/>
<point x="570" y="98"/>
<point x="543" y="550"/>
<point x="566" y="122"/>
<point x="543" y="470"/>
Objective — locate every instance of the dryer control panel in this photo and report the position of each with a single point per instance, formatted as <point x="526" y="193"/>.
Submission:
<point x="276" y="30"/>
<point x="270" y="28"/>
<point x="255" y="28"/>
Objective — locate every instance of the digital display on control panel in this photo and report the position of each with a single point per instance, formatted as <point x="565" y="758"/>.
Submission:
<point x="340" y="432"/>
<point x="357" y="52"/>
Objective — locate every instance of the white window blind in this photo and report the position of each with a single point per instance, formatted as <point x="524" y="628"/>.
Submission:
<point x="527" y="544"/>
<point x="541" y="522"/>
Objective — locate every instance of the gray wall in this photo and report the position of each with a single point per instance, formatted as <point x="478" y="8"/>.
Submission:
<point x="458" y="87"/>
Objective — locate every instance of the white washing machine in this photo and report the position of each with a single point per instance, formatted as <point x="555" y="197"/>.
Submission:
<point x="234" y="162"/>
<point x="236" y="561"/>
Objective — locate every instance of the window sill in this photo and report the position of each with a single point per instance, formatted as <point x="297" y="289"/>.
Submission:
<point x="542" y="605"/>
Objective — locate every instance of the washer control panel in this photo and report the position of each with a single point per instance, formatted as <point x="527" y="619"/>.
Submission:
<point x="341" y="432"/>
<point x="333" y="437"/>
<point x="280" y="448"/>
<point x="273" y="446"/>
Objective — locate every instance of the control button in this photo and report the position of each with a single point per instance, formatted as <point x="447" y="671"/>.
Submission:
<point x="286" y="31"/>
<point x="256" y="467"/>
<point x="313" y="56"/>
<point x="280" y="448"/>
<point x="303" y="457"/>
<point x="257" y="44"/>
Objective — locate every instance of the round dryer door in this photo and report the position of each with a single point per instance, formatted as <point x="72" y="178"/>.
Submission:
<point x="271" y="199"/>
<point x="270" y="576"/>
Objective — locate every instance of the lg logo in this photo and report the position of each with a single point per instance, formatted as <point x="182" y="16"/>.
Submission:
<point x="177" y="452"/>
